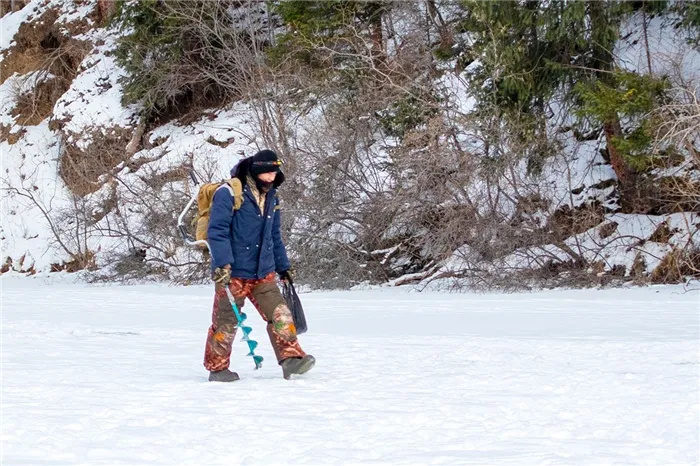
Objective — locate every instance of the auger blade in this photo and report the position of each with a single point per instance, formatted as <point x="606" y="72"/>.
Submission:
<point x="252" y="344"/>
<point x="240" y="318"/>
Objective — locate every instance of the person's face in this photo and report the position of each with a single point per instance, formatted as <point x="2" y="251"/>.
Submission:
<point x="267" y="177"/>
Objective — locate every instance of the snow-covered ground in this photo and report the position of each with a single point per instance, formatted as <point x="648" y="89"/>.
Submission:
<point x="113" y="375"/>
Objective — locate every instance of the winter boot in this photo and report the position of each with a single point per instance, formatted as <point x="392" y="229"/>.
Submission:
<point x="297" y="366"/>
<point x="223" y="376"/>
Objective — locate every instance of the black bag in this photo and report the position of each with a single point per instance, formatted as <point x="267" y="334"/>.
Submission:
<point x="294" y="305"/>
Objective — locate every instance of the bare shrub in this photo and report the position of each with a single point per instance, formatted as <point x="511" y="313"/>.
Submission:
<point x="383" y="185"/>
<point x="679" y="187"/>
<point x="144" y="241"/>
<point x="679" y="129"/>
<point x="73" y="232"/>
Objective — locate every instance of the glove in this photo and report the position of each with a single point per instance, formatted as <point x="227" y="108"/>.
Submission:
<point x="222" y="275"/>
<point x="287" y="275"/>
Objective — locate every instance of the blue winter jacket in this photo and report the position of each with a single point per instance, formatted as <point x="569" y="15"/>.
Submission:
<point x="248" y="239"/>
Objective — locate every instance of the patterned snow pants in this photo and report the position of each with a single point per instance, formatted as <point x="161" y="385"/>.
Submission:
<point x="267" y="299"/>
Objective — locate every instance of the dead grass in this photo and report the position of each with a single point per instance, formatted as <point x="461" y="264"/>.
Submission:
<point x="34" y="106"/>
<point x="156" y="182"/>
<point x="607" y="229"/>
<point x="6" y="266"/>
<point x="9" y="265"/>
<point x="639" y="267"/>
<point x="679" y="193"/>
<point x="568" y="222"/>
<point x="4" y="132"/>
<point x="669" y="270"/>
<point x="42" y="47"/>
<point x="676" y="265"/>
<point x="222" y="144"/>
<point x="57" y="70"/>
<point x="662" y="234"/>
<point x="81" y="170"/>
<point x="85" y="261"/>
<point x="13" y="138"/>
<point x="26" y="55"/>
<point x="6" y="6"/>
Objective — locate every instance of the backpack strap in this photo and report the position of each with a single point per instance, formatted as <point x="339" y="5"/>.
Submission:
<point x="236" y="188"/>
<point x="277" y="202"/>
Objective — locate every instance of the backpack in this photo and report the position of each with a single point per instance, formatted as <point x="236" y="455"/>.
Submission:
<point x="205" y="197"/>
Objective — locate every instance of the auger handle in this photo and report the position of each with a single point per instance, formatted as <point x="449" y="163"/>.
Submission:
<point x="189" y="240"/>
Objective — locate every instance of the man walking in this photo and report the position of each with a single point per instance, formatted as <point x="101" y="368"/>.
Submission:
<point x="246" y="251"/>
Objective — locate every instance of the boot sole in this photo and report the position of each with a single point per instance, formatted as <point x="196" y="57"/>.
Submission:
<point x="305" y="367"/>
<point x="235" y="379"/>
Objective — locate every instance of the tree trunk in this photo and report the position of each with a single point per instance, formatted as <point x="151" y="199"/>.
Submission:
<point x="105" y="9"/>
<point x="631" y="200"/>
<point x="612" y="130"/>
<point x="645" y="30"/>
<point x="603" y="60"/>
<point x="377" y="34"/>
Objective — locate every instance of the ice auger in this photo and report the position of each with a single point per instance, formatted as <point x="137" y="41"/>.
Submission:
<point x="240" y="316"/>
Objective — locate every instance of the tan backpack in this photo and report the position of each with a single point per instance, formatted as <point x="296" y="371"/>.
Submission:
<point x="205" y="198"/>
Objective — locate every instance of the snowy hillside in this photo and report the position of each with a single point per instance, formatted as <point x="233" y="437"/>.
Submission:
<point x="88" y="184"/>
<point x="88" y="118"/>
<point x="113" y="375"/>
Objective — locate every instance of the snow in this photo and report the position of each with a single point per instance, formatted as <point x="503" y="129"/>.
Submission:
<point x="30" y="170"/>
<point x="113" y="375"/>
<point x="572" y="178"/>
<point x="10" y="23"/>
<point x="631" y="237"/>
<point x="74" y="11"/>
<point x="93" y="101"/>
<point x="70" y="12"/>
<point x="8" y="93"/>
<point x="669" y="53"/>
<point x="231" y="126"/>
<point x="455" y="90"/>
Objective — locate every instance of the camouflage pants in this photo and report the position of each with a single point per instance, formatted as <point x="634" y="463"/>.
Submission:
<point x="267" y="299"/>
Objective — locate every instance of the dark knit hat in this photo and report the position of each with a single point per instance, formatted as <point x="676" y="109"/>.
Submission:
<point x="265" y="161"/>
